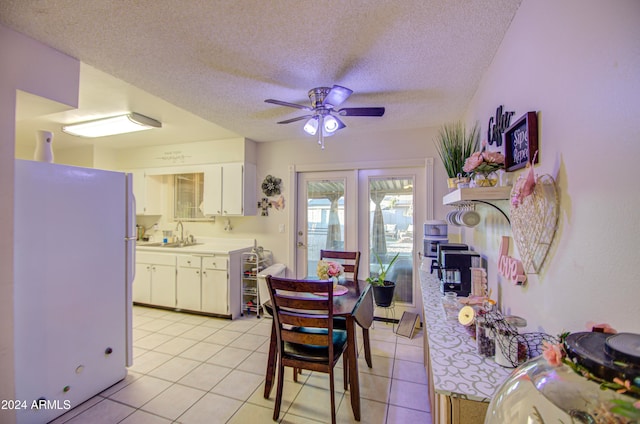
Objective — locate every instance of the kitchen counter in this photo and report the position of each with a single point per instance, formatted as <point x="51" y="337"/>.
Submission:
<point x="462" y="382"/>
<point x="202" y="246"/>
<point x="201" y="278"/>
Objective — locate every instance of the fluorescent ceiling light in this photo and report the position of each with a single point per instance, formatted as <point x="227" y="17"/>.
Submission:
<point x="131" y="122"/>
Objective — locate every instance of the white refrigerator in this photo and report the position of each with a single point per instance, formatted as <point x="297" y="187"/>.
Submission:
<point x="74" y="262"/>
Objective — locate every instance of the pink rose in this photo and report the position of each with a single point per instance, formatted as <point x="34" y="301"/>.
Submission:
<point x="335" y="269"/>
<point x="493" y="157"/>
<point x="472" y="162"/>
<point x="553" y="353"/>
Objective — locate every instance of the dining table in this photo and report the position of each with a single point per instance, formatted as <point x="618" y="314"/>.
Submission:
<point x="356" y="306"/>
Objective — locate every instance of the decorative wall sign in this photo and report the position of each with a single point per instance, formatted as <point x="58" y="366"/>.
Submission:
<point x="510" y="267"/>
<point x="173" y="156"/>
<point x="497" y="126"/>
<point x="534" y="221"/>
<point x="521" y="142"/>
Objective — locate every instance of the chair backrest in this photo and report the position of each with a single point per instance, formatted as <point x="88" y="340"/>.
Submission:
<point x="302" y="303"/>
<point x="350" y="261"/>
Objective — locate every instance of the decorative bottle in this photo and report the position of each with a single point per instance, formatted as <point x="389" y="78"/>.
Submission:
<point x="44" y="151"/>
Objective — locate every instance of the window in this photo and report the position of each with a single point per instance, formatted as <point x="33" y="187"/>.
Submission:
<point x="188" y="195"/>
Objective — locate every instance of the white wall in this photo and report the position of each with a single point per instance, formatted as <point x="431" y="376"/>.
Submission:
<point x="345" y="148"/>
<point x="576" y="62"/>
<point x="38" y="69"/>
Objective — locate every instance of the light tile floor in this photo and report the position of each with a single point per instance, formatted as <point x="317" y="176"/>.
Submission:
<point x="194" y="370"/>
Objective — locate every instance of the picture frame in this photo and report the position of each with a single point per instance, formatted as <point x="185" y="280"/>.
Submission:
<point x="521" y="142"/>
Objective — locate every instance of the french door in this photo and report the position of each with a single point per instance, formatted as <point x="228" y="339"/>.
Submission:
<point x="326" y="217"/>
<point x="370" y="210"/>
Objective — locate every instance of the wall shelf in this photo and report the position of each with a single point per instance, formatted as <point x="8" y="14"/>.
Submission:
<point x="484" y="195"/>
<point x="465" y="195"/>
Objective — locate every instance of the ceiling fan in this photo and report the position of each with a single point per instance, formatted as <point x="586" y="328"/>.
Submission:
<point x="323" y="120"/>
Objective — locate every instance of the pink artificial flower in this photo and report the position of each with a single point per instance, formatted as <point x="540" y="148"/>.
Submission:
<point x="626" y="385"/>
<point x="553" y="353"/>
<point x="493" y="157"/>
<point x="335" y="269"/>
<point x="472" y="162"/>
<point x="637" y="404"/>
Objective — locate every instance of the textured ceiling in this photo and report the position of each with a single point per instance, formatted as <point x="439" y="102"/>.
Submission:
<point x="219" y="60"/>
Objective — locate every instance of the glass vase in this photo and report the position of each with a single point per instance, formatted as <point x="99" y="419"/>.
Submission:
<point x="541" y="393"/>
<point x="486" y="179"/>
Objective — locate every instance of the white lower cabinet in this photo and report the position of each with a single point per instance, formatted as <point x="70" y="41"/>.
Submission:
<point x="199" y="282"/>
<point x="188" y="285"/>
<point x="155" y="281"/>
<point x="215" y="285"/>
<point x="203" y="284"/>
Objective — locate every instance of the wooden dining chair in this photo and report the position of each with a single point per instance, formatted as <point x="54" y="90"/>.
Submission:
<point x="306" y="339"/>
<point x="350" y="261"/>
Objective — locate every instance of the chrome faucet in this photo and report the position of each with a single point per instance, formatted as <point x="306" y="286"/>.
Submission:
<point x="179" y="224"/>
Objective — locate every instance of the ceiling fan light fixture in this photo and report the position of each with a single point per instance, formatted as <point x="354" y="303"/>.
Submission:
<point x="122" y="124"/>
<point x="311" y="126"/>
<point x="330" y="125"/>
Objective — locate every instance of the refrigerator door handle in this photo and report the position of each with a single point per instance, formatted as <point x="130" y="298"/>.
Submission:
<point x="130" y="243"/>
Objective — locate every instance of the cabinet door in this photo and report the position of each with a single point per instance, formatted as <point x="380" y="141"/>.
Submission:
<point x="188" y="284"/>
<point x="212" y="195"/>
<point x="163" y="285"/>
<point x="141" y="290"/>
<point x="215" y="292"/>
<point x="147" y="190"/>
<point x="232" y="189"/>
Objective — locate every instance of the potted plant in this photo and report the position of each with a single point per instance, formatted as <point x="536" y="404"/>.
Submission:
<point x="383" y="289"/>
<point x="454" y="145"/>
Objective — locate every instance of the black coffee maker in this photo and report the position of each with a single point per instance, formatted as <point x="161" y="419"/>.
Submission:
<point x="456" y="271"/>
<point x="441" y="248"/>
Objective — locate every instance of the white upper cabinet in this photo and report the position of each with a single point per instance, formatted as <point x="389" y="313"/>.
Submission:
<point x="230" y="189"/>
<point x="147" y="190"/>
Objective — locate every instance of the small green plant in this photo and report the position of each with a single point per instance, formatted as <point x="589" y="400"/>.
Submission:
<point x="454" y="145"/>
<point x="378" y="280"/>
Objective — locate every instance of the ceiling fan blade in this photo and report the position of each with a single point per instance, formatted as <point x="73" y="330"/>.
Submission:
<point x="337" y="95"/>
<point x="281" y="103"/>
<point x="361" y="111"/>
<point x="299" y="118"/>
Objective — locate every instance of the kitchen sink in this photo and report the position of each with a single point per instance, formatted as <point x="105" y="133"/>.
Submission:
<point x="178" y="244"/>
<point x="173" y="245"/>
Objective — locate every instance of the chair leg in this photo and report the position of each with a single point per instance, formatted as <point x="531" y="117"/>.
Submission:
<point x="333" y="397"/>
<point x="345" y="369"/>
<point x="367" y="347"/>
<point x="276" y="407"/>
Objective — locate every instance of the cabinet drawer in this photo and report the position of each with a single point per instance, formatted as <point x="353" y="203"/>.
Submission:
<point x="189" y="261"/>
<point x="215" y="262"/>
<point x="155" y="258"/>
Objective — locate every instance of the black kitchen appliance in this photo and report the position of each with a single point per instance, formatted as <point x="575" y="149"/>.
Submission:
<point x="442" y="247"/>
<point x="456" y="270"/>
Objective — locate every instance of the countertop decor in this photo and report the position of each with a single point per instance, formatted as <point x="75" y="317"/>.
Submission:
<point x="456" y="367"/>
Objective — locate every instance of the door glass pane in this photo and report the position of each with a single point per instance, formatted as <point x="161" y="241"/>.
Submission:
<point x="391" y="231"/>
<point x="325" y="219"/>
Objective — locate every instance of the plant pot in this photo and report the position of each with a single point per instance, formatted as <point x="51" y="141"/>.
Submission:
<point x="383" y="295"/>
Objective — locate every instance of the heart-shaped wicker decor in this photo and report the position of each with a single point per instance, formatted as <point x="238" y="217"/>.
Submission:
<point x="534" y="222"/>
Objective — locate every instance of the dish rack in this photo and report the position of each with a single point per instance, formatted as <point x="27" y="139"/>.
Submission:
<point x="252" y="263"/>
